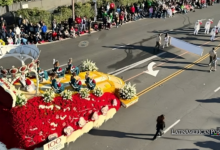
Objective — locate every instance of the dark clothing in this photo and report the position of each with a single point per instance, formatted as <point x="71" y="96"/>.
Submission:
<point x="159" y="127"/>
<point x="157" y="47"/>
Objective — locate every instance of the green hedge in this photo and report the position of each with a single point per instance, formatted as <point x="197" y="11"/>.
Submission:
<point x="60" y="14"/>
<point x="6" y="2"/>
<point x="35" y="15"/>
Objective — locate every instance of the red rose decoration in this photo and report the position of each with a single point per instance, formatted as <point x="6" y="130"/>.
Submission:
<point x="93" y="81"/>
<point x="31" y="65"/>
<point x="4" y="71"/>
<point x="23" y="68"/>
<point x="80" y="83"/>
<point x="28" y="82"/>
<point x="60" y="69"/>
<point x="14" y="70"/>
<point x="112" y="5"/>
<point x="59" y="84"/>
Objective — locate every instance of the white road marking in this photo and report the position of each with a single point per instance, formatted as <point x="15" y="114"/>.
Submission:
<point x="119" y="71"/>
<point x="150" y="70"/>
<point x="217" y="89"/>
<point x="120" y="47"/>
<point x="171" y="126"/>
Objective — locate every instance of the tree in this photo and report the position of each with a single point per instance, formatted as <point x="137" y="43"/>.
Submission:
<point x="6" y="2"/>
<point x="84" y="9"/>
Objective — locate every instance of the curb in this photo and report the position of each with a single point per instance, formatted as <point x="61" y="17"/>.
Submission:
<point x="46" y="43"/>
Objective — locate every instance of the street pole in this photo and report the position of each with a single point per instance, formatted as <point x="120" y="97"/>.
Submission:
<point x="95" y="18"/>
<point x="73" y="10"/>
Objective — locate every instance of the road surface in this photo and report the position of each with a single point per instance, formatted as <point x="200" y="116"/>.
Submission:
<point x="185" y="92"/>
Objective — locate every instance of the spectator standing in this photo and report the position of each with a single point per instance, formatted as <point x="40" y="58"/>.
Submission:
<point x="132" y="12"/>
<point x="84" y="24"/>
<point x="44" y="31"/>
<point x="121" y="18"/>
<point x="109" y="22"/>
<point x="105" y="22"/>
<point x="78" y="21"/>
<point x="151" y="10"/>
<point x="116" y="19"/>
<point x="160" y="126"/>
<point x="54" y="25"/>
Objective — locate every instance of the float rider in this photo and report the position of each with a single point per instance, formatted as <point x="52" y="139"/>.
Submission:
<point x="75" y="84"/>
<point x="59" y="71"/>
<point x="42" y="74"/>
<point x="91" y="84"/>
<point x="57" y="86"/>
<point x="71" y="69"/>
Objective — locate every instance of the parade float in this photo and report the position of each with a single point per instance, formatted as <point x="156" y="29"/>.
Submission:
<point x="34" y="114"/>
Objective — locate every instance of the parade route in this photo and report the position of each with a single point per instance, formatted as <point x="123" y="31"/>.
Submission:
<point x="183" y="90"/>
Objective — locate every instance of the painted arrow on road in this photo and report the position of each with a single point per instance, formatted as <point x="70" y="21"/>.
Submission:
<point x="150" y="70"/>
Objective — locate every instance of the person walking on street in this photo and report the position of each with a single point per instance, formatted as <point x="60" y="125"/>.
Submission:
<point x="160" y="126"/>
<point x="158" y="43"/>
<point x="212" y="53"/>
<point x="166" y="40"/>
<point x="214" y="63"/>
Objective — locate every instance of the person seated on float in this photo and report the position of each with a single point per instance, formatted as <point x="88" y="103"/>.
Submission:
<point x="90" y="82"/>
<point x="75" y="84"/>
<point x="70" y="68"/>
<point x="56" y="85"/>
<point x="59" y="71"/>
<point x="26" y="84"/>
<point x="42" y="74"/>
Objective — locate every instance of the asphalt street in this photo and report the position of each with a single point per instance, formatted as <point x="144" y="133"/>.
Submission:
<point x="183" y="91"/>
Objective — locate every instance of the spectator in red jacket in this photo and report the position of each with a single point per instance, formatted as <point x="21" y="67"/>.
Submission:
<point x="79" y="21"/>
<point x="132" y="11"/>
<point x="121" y="17"/>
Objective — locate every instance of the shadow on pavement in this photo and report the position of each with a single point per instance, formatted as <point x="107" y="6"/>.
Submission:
<point x="208" y="144"/>
<point x="119" y="134"/>
<point x="188" y="149"/>
<point x="179" y="68"/>
<point x="212" y="100"/>
<point x="133" y="57"/>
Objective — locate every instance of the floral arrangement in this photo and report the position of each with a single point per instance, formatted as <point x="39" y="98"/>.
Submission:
<point x="48" y="96"/>
<point x="20" y="99"/>
<point x="98" y="91"/>
<point x="67" y="95"/>
<point x="88" y="65"/>
<point x="127" y="92"/>
<point x="84" y="93"/>
<point x="33" y="126"/>
<point x="2" y="42"/>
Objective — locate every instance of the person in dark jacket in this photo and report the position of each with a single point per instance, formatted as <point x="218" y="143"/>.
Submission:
<point x="160" y="126"/>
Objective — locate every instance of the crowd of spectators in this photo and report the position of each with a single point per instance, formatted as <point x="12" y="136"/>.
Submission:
<point x="25" y="32"/>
